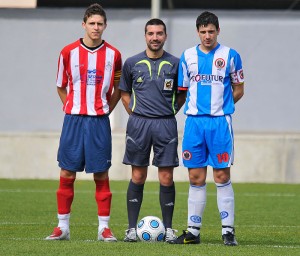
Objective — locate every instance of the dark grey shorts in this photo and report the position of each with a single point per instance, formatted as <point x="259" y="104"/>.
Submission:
<point x="143" y="133"/>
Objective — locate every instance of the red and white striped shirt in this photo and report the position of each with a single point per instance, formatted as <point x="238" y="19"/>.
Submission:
<point x="89" y="76"/>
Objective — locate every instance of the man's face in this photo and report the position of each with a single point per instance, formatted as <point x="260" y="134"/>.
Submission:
<point x="155" y="37"/>
<point x="94" y="27"/>
<point x="208" y="36"/>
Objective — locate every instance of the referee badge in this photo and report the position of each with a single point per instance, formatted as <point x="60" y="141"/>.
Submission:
<point x="168" y="84"/>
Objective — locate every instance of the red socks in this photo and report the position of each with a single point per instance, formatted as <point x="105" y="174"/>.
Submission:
<point x="103" y="197"/>
<point x="65" y="195"/>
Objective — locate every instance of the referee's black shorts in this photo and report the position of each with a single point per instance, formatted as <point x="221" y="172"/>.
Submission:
<point x="143" y="133"/>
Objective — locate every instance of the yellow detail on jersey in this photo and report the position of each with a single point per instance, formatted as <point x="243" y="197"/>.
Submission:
<point x="147" y="62"/>
<point x="134" y="100"/>
<point x="173" y="102"/>
<point x="161" y="65"/>
<point x="140" y="80"/>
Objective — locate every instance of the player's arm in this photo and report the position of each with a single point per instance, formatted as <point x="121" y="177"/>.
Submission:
<point x="62" y="79"/>
<point x="237" y="85"/>
<point x="237" y="77"/>
<point x="126" y="86"/>
<point x="181" y="96"/>
<point x="183" y="82"/>
<point x="62" y="92"/>
<point x="115" y="97"/>
<point x="116" y="94"/>
<point x="237" y="91"/>
<point x="125" y="96"/>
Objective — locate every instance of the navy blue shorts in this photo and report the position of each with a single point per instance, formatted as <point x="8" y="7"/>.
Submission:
<point x="143" y="133"/>
<point x="85" y="143"/>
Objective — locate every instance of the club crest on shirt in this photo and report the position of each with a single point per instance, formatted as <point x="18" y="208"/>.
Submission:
<point x="186" y="155"/>
<point x="219" y="63"/>
<point x="108" y="66"/>
<point x="168" y="84"/>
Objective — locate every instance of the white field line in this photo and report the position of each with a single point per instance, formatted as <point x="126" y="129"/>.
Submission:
<point x="148" y="192"/>
<point x="9" y="223"/>
<point x="209" y="244"/>
<point x="262" y="246"/>
<point x="125" y="225"/>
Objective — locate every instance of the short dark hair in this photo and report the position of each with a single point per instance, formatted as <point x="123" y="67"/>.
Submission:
<point x="155" y="22"/>
<point x="206" y="18"/>
<point x="94" y="9"/>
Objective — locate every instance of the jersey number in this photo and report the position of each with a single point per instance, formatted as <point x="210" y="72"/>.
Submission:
<point x="224" y="157"/>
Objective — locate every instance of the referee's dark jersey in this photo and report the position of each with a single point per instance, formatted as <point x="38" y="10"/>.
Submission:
<point x="152" y="84"/>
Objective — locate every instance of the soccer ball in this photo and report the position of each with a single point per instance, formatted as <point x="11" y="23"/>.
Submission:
<point x="150" y="229"/>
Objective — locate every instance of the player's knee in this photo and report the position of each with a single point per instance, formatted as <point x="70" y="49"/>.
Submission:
<point x="166" y="180"/>
<point x="222" y="176"/>
<point x="139" y="177"/>
<point x="67" y="174"/>
<point x="222" y="180"/>
<point x="101" y="175"/>
<point x="166" y="183"/>
<point x="197" y="180"/>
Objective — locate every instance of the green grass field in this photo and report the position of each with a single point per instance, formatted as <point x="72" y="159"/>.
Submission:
<point x="267" y="220"/>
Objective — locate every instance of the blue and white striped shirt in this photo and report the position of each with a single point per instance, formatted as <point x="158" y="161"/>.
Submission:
<point x="209" y="78"/>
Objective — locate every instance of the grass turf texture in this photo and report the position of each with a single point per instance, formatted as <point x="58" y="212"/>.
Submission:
<point x="267" y="220"/>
